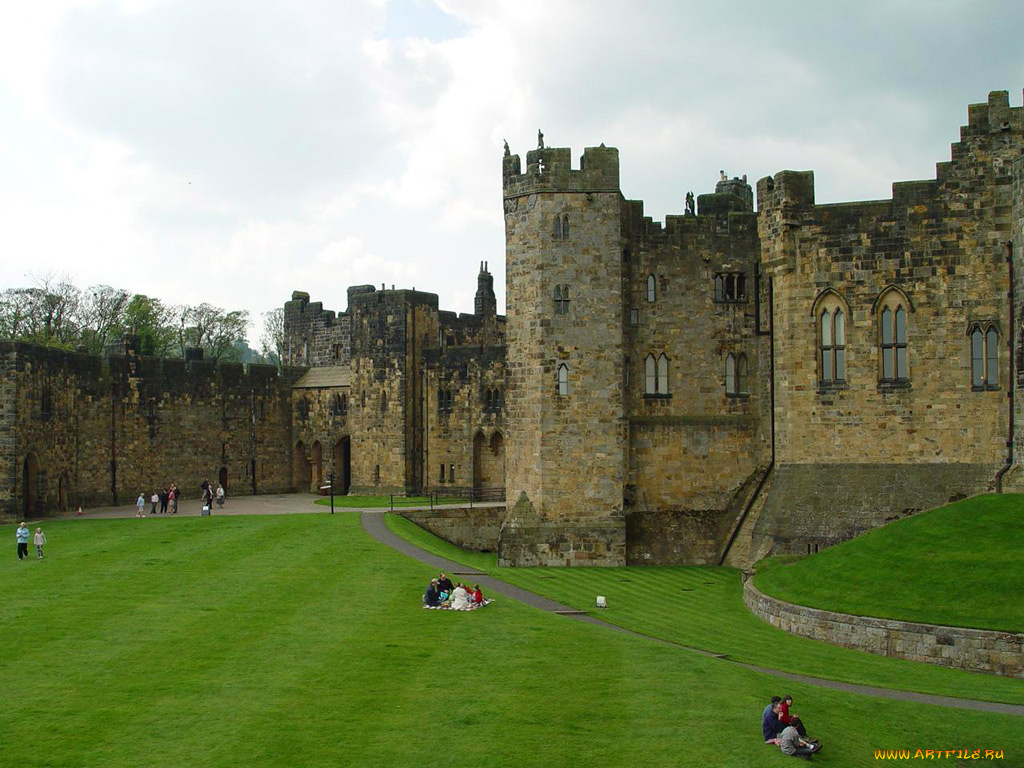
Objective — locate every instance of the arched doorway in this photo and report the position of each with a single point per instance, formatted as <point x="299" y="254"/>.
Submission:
<point x="29" y="485"/>
<point x="301" y="470"/>
<point x="479" y="444"/>
<point x="343" y="466"/>
<point x="222" y="477"/>
<point x="316" y="460"/>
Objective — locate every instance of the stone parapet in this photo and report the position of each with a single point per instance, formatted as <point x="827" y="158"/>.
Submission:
<point x="474" y="528"/>
<point x="595" y="541"/>
<point x="977" y="650"/>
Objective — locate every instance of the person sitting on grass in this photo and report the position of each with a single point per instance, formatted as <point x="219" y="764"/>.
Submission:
<point x="790" y="718"/>
<point x="460" y="599"/>
<point x="476" y="595"/>
<point x="444" y="584"/>
<point x="432" y="597"/>
<point x="791" y="744"/>
<point x="771" y="727"/>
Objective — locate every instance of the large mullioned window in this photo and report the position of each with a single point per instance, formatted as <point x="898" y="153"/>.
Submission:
<point x="736" y="375"/>
<point x="832" y="350"/>
<point x="656" y="375"/>
<point x="893" y="322"/>
<point x="984" y="357"/>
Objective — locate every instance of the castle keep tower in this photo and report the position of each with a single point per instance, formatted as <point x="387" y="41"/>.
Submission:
<point x="567" y="431"/>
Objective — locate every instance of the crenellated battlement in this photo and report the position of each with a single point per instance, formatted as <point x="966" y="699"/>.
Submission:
<point x="784" y="189"/>
<point x="993" y="116"/>
<point x="550" y="170"/>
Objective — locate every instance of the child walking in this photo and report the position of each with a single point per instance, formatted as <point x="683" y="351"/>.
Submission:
<point x="40" y="539"/>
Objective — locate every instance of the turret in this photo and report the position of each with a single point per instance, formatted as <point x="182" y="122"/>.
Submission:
<point x="485" y="303"/>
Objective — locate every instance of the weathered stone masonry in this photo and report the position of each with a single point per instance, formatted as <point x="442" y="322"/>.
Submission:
<point x="78" y="429"/>
<point x="978" y="650"/>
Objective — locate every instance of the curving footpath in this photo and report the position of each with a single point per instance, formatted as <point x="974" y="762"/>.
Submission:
<point x="373" y="523"/>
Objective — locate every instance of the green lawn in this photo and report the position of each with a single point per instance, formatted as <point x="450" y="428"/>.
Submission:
<point x="299" y="641"/>
<point x="960" y="565"/>
<point x="702" y="607"/>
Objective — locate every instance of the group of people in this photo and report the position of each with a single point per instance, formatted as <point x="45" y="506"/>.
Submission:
<point x="22" y="535"/>
<point x="442" y="594"/>
<point x="782" y="727"/>
<point x="209" y="495"/>
<point x="166" y="501"/>
<point x="163" y="502"/>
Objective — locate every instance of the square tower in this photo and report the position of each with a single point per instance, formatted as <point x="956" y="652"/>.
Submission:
<point x="566" y="454"/>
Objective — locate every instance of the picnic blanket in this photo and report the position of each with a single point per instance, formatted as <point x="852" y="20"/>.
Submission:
<point x="472" y="606"/>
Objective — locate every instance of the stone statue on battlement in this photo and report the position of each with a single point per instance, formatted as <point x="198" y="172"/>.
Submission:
<point x="540" y="139"/>
<point x="689" y="204"/>
<point x="507" y="150"/>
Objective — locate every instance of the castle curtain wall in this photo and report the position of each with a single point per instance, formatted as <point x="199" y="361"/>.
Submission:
<point x="101" y="432"/>
<point x="854" y="453"/>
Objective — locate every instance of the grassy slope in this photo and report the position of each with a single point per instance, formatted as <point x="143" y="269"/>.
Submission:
<point x="282" y="641"/>
<point x="959" y="565"/>
<point x="703" y="607"/>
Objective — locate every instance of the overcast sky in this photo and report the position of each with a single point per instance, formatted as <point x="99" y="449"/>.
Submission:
<point x="233" y="152"/>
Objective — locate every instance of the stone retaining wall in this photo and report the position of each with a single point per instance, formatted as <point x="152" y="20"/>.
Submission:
<point x="977" y="650"/>
<point x="473" y="528"/>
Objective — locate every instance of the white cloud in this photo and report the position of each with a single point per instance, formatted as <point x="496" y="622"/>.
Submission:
<point x="232" y="153"/>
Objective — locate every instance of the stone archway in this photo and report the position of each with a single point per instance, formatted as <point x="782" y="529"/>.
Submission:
<point x="301" y="469"/>
<point x="30" y="485"/>
<point x="222" y="477"/>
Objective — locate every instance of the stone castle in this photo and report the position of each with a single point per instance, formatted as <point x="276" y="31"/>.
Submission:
<point x="725" y="385"/>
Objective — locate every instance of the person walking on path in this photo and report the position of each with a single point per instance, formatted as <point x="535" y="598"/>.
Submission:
<point x="220" y="495"/>
<point x="22" y="535"/>
<point x="40" y="540"/>
<point x="140" y="504"/>
<point x="155" y="501"/>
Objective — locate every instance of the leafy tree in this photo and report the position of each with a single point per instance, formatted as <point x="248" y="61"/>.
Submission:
<point x="272" y="338"/>
<point x="47" y="313"/>
<point x="16" y="318"/>
<point x="155" y="323"/>
<point x="213" y="329"/>
<point x="103" y="311"/>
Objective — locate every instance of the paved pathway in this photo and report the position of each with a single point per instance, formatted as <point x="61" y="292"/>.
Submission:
<point x="269" y="504"/>
<point x="373" y="522"/>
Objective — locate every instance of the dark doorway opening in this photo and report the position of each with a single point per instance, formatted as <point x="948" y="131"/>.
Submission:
<point x="343" y="466"/>
<point x="29" y="485"/>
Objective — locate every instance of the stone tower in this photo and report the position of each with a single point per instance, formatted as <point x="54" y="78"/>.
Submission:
<point x="567" y="452"/>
